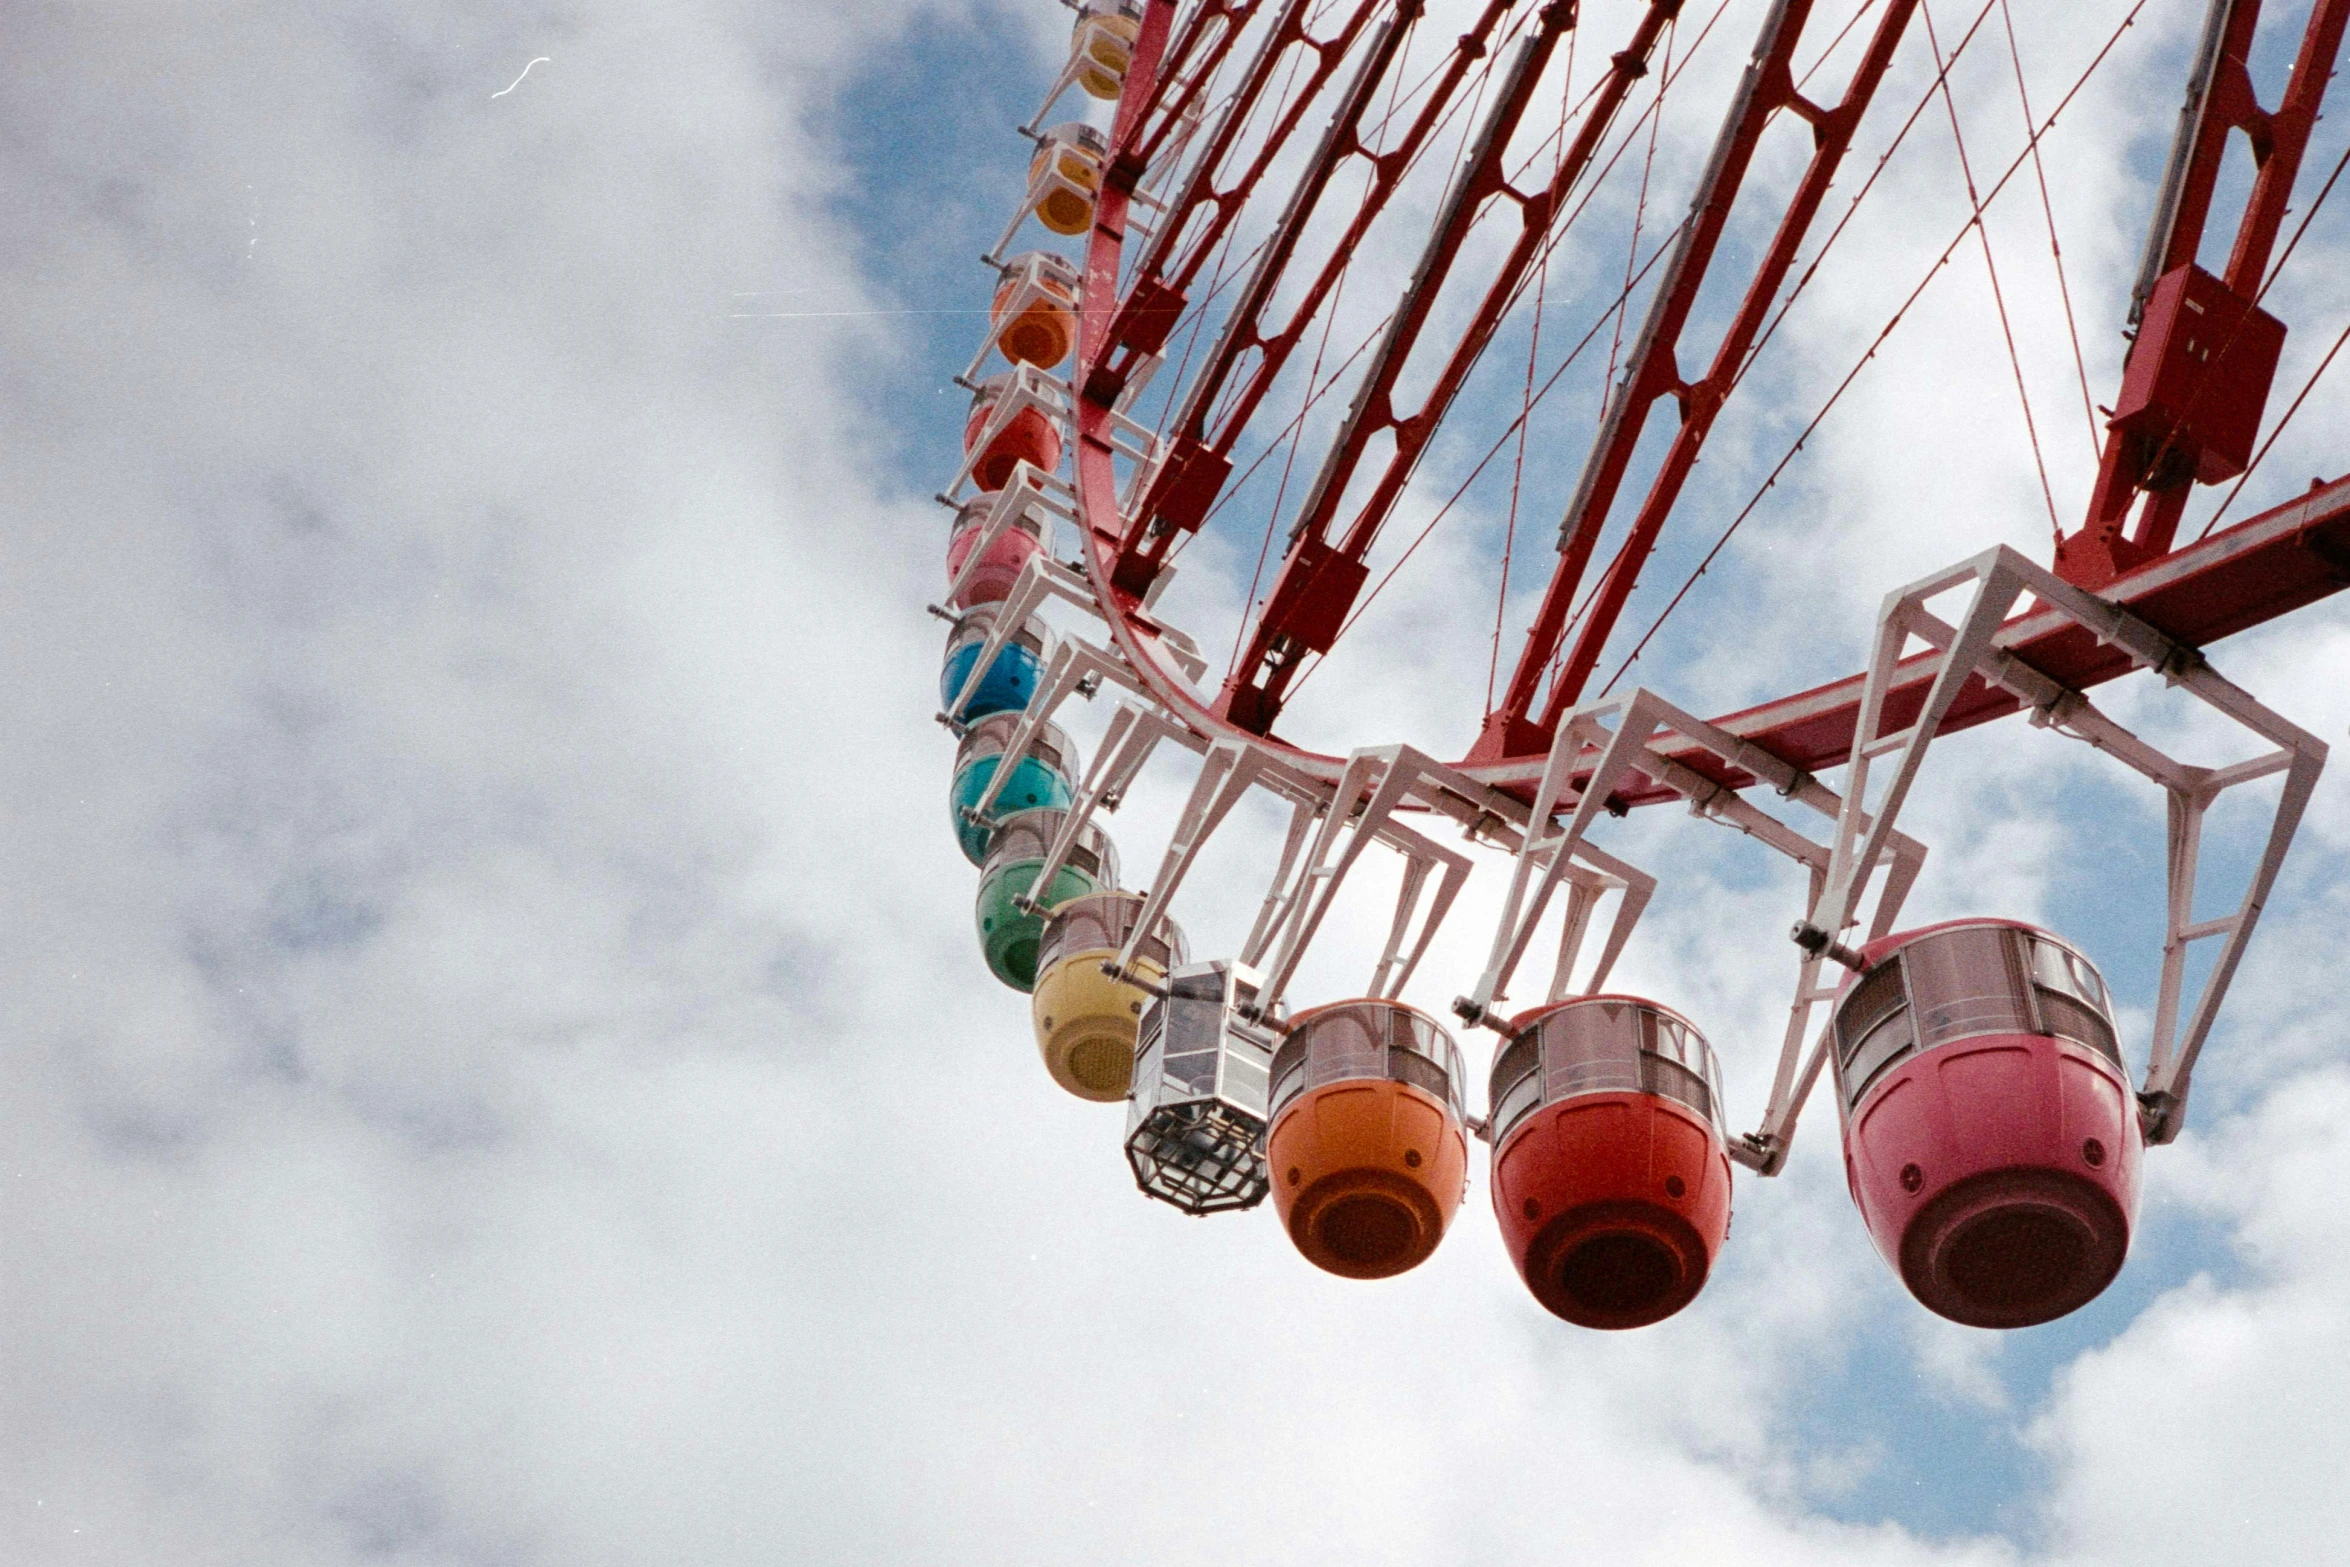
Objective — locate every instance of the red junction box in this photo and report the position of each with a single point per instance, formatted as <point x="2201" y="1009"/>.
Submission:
<point x="2198" y="379"/>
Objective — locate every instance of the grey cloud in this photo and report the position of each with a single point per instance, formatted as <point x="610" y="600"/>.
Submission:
<point x="495" y="1068"/>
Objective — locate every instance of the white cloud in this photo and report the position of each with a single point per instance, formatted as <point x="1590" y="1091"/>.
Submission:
<point x="2209" y="1427"/>
<point x="495" y="1064"/>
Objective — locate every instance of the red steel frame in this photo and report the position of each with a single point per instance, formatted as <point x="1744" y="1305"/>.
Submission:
<point x="1200" y="460"/>
<point x="2150" y="462"/>
<point x="2252" y="572"/>
<point x="1654" y="371"/>
<point x="1318" y="581"/>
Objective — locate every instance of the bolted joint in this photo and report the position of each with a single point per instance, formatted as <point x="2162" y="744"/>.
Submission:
<point x="2181" y="661"/>
<point x="2161" y="1113"/>
<point x="1113" y="971"/>
<point x="1479" y="1015"/>
<point x="1820" y="944"/>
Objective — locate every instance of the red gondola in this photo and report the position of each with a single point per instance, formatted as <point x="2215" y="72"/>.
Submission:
<point x="1990" y="1137"/>
<point x="997" y="436"/>
<point x="1611" y="1176"/>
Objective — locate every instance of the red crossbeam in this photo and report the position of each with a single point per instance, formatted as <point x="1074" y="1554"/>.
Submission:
<point x="1654" y="372"/>
<point x="2254" y="572"/>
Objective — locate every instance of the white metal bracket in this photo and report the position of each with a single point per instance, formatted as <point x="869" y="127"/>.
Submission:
<point x="1362" y="810"/>
<point x="1974" y="649"/>
<point x="1228" y="770"/>
<point x="1545" y="861"/>
<point x="1605" y="744"/>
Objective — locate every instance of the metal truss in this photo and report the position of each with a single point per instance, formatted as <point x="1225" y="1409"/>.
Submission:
<point x="1319" y="579"/>
<point x="2157" y="453"/>
<point x="1546" y="770"/>
<point x="1969" y="651"/>
<point x="1606" y="748"/>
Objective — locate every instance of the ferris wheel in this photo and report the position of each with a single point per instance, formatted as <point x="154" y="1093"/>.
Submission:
<point x="1291" y="292"/>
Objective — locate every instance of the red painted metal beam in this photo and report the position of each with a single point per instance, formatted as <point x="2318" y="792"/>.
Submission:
<point x="1654" y="370"/>
<point x="1223" y="205"/>
<point x="1702" y="400"/>
<point x="1191" y="60"/>
<point x="1318" y="581"/>
<point x="1159" y="285"/>
<point x="1200" y="459"/>
<point x="2198" y="373"/>
<point x="2280" y="561"/>
<point x="2254" y="572"/>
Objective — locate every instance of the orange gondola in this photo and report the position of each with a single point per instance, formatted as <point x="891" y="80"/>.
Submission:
<point x="1368" y="1153"/>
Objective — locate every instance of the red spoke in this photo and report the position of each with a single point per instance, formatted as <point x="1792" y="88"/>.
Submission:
<point x="1870" y="353"/>
<point x="1654" y="371"/>
<point x="1319" y="580"/>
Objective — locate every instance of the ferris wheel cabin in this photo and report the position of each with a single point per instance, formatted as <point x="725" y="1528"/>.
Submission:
<point x="1102" y="46"/>
<point x="1195" y="1121"/>
<point x="997" y="572"/>
<point x="1991" y="1140"/>
<point x="1042" y="779"/>
<point x="1065" y="175"/>
<point x="1368" y="1154"/>
<point x="1026" y="435"/>
<point x="1011" y="675"/>
<point x="1033" y="314"/>
<point x="1012" y="906"/>
<point x="1086" y="1017"/>
<point x="1611" y="1175"/>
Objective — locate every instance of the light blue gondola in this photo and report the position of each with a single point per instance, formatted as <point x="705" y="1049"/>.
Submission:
<point x="1044" y="777"/>
<point x="1010" y="680"/>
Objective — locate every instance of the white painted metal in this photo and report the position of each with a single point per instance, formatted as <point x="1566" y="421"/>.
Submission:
<point x="1377" y="783"/>
<point x="1607" y="743"/>
<point x="2000" y="578"/>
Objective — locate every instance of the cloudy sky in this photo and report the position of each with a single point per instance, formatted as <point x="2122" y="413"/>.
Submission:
<point x="496" y="1067"/>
